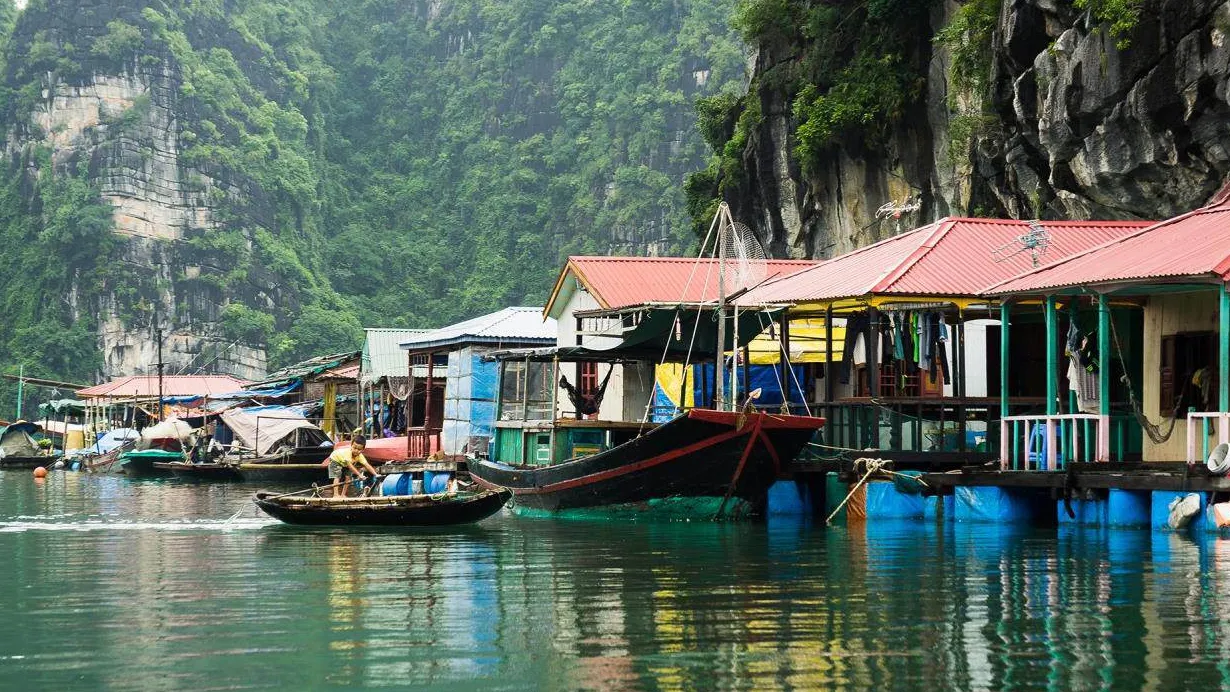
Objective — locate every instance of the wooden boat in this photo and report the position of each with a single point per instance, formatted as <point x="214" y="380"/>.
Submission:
<point x="18" y="450"/>
<point x="108" y="462"/>
<point x="141" y="463"/>
<point x="26" y="462"/>
<point x="444" y="509"/>
<point x="206" y="472"/>
<point x="711" y="460"/>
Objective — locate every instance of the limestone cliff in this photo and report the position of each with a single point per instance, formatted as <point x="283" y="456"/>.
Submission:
<point x="1071" y="121"/>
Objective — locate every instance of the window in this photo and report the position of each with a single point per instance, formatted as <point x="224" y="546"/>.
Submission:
<point x="1188" y="373"/>
<point x="587" y="373"/>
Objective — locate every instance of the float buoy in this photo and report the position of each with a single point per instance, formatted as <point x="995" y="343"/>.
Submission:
<point x="40" y="472"/>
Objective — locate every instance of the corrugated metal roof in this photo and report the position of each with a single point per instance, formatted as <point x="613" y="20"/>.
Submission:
<point x="382" y="354"/>
<point x="1194" y="245"/>
<point x="951" y="257"/>
<point x="508" y="327"/>
<point x="172" y="385"/>
<point x="620" y="282"/>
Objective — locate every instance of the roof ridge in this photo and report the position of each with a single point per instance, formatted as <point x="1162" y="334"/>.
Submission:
<point x="1109" y="243"/>
<point x="894" y="274"/>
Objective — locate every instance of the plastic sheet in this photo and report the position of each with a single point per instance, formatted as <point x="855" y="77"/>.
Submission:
<point x="990" y="504"/>
<point x="885" y="501"/>
<point x="469" y="402"/>
<point x="789" y="498"/>
<point x="1084" y="512"/>
<point x="1127" y="507"/>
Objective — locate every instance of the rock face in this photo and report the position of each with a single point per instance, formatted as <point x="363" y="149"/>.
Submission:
<point x="1075" y="127"/>
<point x="120" y="124"/>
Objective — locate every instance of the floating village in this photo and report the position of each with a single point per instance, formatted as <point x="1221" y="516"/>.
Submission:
<point x="971" y="370"/>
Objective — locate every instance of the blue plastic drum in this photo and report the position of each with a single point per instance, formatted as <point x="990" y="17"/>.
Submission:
<point x="436" y="481"/>
<point x="396" y="484"/>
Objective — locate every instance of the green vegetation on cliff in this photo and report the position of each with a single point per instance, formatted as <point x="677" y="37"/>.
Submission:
<point x="399" y="163"/>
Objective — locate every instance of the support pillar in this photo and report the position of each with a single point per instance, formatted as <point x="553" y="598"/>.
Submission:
<point x="872" y="341"/>
<point x="1005" y="429"/>
<point x="1223" y="362"/>
<point x="830" y="384"/>
<point x="1052" y="381"/>
<point x="1104" y="375"/>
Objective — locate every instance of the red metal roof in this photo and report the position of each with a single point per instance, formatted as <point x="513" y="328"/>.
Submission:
<point x="172" y="385"/>
<point x="620" y="282"/>
<point x="1195" y="245"/>
<point x="951" y="257"/>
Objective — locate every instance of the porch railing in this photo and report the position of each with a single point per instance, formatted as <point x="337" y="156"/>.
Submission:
<point x="1199" y="425"/>
<point x="1050" y="442"/>
<point x="422" y="442"/>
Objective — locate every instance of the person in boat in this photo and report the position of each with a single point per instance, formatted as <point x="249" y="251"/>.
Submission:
<point x="348" y="463"/>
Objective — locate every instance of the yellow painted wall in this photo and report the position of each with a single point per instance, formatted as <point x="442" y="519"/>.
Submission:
<point x="1165" y="315"/>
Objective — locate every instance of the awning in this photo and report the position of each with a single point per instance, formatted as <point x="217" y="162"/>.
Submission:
<point x="263" y="428"/>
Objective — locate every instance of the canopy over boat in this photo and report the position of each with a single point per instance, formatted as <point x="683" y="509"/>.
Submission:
<point x="16" y="440"/>
<point x="265" y="428"/>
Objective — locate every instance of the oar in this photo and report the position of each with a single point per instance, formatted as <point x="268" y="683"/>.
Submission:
<point x="235" y="516"/>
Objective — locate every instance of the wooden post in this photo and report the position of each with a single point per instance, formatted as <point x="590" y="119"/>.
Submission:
<point x="1004" y="410"/>
<point x="829" y="384"/>
<point x="1052" y="362"/>
<point x="787" y="371"/>
<point x="958" y="377"/>
<point x="1104" y="375"/>
<point x="873" y="351"/>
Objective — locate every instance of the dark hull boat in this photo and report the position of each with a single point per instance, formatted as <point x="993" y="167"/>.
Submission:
<point x="258" y="472"/>
<point x="142" y="463"/>
<point x="208" y="472"/>
<point x="703" y="461"/>
<point x="26" y="462"/>
<point x="397" y="510"/>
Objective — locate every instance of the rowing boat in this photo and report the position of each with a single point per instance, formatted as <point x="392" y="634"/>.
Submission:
<point x="443" y="509"/>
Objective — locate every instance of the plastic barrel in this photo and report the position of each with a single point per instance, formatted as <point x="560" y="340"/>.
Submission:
<point x="395" y="484"/>
<point x="436" y="481"/>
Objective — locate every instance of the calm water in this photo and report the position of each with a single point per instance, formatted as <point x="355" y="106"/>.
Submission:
<point x="113" y="584"/>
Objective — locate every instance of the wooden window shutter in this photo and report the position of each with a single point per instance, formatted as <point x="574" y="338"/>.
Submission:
<point x="1166" y="389"/>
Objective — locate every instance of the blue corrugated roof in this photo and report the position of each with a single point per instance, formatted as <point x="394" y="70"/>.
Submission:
<point x="507" y="327"/>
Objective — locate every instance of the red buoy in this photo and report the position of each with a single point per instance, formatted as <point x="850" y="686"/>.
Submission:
<point x="40" y="472"/>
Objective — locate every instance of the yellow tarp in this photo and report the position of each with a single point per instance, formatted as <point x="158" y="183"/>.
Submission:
<point x="669" y="377"/>
<point x="806" y="343"/>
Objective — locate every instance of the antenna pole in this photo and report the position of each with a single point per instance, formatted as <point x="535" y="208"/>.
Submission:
<point x="21" y="381"/>
<point x="719" y="362"/>
<point x="158" y="333"/>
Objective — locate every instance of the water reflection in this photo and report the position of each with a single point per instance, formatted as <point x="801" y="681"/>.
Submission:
<point x="122" y="585"/>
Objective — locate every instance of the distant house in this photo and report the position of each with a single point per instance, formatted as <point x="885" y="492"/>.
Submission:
<point x="615" y="283"/>
<point x="384" y="377"/>
<point x="459" y="387"/>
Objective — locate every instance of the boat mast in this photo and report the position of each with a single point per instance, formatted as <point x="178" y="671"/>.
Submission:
<point x="158" y="335"/>
<point x="719" y="362"/>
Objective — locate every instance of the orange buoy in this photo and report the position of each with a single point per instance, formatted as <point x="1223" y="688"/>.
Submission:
<point x="40" y="472"/>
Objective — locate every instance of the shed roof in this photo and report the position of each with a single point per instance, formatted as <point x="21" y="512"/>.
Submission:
<point x="172" y="385"/>
<point x="620" y="282"/>
<point x="310" y="368"/>
<point x="382" y="353"/>
<point x="508" y="327"/>
<point x="1191" y="246"/>
<point x="950" y="257"/>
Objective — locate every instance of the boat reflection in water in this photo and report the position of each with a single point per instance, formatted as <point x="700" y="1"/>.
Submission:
<point x="134" y="590"/>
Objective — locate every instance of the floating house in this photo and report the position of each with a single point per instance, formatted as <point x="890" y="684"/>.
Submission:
<point x="456" y="411"/>
<point x="333" y="380"/>
<point x="912" y="350"/>
<point x="384" y="378"/>
<point x="119" y="402"/>
<point x="1139" y="333"/>
<point x="596" y="298"/>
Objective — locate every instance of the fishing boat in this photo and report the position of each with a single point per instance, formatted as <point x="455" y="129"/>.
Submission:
<point x="104" y="455"/>
<point x="697" y="464"/>
<point x="712" y="453"/>
<point x="204" y="472"/>
<point x="141" y="463"/>
<point x="18" y="450"/>
<point x="276" y="444"/>
<point x="277" y="470"/>
<point x="443" y="509"/>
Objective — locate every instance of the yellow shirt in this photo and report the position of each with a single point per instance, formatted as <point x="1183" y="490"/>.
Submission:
<point x="341" y="458"/>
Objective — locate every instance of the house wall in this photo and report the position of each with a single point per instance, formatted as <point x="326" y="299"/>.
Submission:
<point x="1165" y="315"/>
<point x="613" y="405"/>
